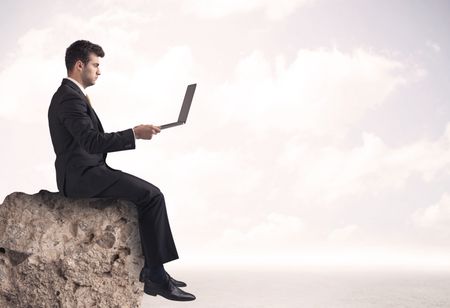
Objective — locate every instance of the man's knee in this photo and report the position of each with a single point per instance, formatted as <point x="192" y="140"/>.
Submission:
<point x="158" y="198"/>
<point x="151" y="196"/>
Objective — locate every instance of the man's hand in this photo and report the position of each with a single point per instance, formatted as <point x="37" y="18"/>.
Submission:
<point x="146" y="131"/>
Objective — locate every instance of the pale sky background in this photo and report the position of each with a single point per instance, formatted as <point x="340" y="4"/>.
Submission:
<point x="319" y="134"/>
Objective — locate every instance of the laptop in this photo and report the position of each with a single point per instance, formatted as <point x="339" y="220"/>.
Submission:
<point x="184" y="108"/>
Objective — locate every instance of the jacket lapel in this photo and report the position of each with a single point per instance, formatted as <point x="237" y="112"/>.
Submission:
<point x="91" y="111"/>
<point x="100" y="127"/>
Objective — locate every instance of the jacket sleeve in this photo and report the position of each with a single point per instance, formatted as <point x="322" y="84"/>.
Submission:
<point x="76" y="120"/>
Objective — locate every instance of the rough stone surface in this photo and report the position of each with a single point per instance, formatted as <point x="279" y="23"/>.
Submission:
<point x="63" y="252"/>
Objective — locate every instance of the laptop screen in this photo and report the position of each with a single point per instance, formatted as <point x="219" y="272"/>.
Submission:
<point x="187" y="103"/>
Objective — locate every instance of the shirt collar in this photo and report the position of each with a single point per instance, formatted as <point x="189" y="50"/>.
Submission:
<point x="78" y="84"/>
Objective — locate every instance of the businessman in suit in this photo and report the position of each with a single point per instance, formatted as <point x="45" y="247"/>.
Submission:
<point x="81" y="147"/>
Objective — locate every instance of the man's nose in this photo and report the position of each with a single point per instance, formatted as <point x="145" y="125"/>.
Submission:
<point x="98" y="72"/>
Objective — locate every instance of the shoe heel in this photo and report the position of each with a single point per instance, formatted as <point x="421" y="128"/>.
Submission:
<point x="149" y="292"/>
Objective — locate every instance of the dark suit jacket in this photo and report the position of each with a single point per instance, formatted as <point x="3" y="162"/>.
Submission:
<point x="81" y="144"/>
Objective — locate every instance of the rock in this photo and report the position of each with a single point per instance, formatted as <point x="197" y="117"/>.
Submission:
<point x="64" y="252"/>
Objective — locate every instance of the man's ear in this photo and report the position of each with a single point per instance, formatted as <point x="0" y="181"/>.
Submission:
<point x="79" y="65"/>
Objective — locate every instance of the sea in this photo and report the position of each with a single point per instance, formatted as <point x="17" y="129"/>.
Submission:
<point x="264" y="288"/>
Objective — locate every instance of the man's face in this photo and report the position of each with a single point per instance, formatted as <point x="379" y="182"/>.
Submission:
<point x="90" y="71"/>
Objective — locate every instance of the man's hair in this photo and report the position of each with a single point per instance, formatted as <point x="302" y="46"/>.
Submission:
<point x="80" y="50"/>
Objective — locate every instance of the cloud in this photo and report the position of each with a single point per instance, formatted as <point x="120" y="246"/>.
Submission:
<point x="302" y="110"/>
<point x="434" y="216"/>
<point x="221" y="8"/>
<point x="321" y="92"/>
<point x="33" y="65"/>
<point x="342" y="234"/>
<point x="155" y="88"/>
<point x="434" y="46"/>
<point x="265" y="235"/>
<point x="326" y="174"/>
<point x="38" y="60"/>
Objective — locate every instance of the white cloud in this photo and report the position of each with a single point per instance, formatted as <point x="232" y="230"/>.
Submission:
<point x="33" y="65"/>
<point x="322" y="92"/>
<point x="221" y="8"/>
<point x="434" y="216"/>
<point x="342" y="234"/>
<point x="433" y="45"/>
<point x="271" y="231"/>
<point x="38" y="61"/>
<point x="155" y="88"/>
<point x="325" y="174"/>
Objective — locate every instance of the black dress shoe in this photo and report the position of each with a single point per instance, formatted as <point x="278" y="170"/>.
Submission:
<point x="143" y="276"/>
<point x="167" y="289"/>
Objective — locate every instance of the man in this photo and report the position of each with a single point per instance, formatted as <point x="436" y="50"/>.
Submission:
<point x="81" y="146"/>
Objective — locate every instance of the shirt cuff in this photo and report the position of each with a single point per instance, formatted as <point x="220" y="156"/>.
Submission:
<point x="134" y="134"/>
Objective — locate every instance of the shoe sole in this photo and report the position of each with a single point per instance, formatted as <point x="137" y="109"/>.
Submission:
<point x="153" y="293"/>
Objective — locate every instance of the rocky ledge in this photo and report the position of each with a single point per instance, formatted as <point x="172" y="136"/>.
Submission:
<point x="63" y="252"/>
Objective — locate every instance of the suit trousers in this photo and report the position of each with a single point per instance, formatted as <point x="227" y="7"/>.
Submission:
<point x="157" y="241"/>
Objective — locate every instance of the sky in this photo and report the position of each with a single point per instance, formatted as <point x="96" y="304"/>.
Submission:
<point x="319" y="134"/>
